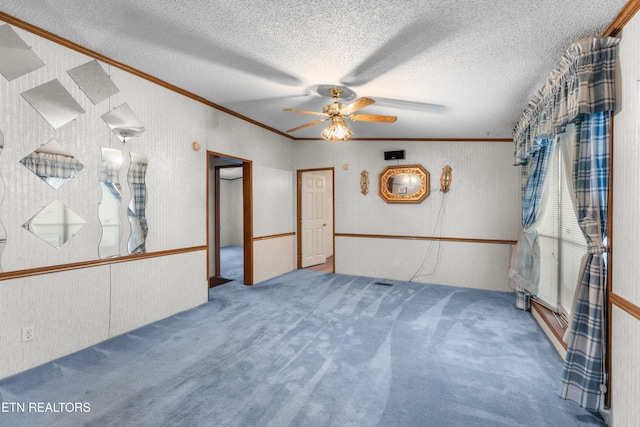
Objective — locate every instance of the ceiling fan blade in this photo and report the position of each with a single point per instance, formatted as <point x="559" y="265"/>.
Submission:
<point x="372" y="118"/>
<point x="308" y="124"/>
<point x="356" y="105"/>
<point x="315" y="113"/>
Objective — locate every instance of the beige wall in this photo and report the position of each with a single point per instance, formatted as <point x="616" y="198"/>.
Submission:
<point x="231" y="218"/>
<point x="483" y="203"/>
<point x="625" y="370"/>
<point x="75" y="309"/>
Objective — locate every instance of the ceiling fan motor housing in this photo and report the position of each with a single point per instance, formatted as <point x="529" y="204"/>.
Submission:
<point x="333" y="109"/>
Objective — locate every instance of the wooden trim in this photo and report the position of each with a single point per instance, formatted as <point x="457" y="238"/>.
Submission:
<point x="274" y="236"/>
<point x="216" y="218"/>
<point x="419" y="139"/>
<point x="247" y="213"/>
<point x="333" y="224"/>
<point x="93" y="54"/>
<point x="94" y="263"/>
<point x="226" y="156"/>
<point x="625" y="15"/>
<point x="442" y="239"/>
<point x="610" y="260"/>
<point x="207" y="230"/>
<point x="299" y="217"/>
<point x="549" y="317"/>
<point x="315" y="170"/>
<point x="625" y="305"/>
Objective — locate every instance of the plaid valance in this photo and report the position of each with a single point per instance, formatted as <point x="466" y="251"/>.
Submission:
<point x="583" y="82"/>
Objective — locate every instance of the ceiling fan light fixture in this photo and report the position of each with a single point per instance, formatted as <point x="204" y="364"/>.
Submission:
<point x="337" y="112"/>
<point x="336" y="131"/>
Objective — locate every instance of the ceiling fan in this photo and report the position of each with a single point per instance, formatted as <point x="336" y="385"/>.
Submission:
<point x="337" y="112"/>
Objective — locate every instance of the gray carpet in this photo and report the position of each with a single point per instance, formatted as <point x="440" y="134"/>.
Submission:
<point x="313" y="349"/>
<point x="232" y="263"/>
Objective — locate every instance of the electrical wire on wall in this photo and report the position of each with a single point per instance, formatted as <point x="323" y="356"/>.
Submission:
<point x="436" y="240"/>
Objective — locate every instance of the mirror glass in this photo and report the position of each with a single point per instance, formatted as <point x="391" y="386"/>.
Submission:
<point x="52" y="101"/>
<point x="16" y="57"/>
<point x="123" y="123"/>
<point x="109" y="210"/>
<point x="93" y="81"/>
<point x="404" y="184"/>
<point x="53" y="164"/>
<point x="136" y="210"/>
<point x="55" y="224"/>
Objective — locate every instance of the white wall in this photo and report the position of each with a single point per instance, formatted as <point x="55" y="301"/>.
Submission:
<point x="483" y="203"/>
<point x="271" y="156"/>
<point x="273" y="201"/>
<point x="625" y="375"/>
<point x="231" y="217"/>
<point x="75" y="309"/>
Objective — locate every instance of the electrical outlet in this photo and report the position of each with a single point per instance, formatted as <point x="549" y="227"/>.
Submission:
<point x="396" y="264"/>
<point x="27" y="333"/>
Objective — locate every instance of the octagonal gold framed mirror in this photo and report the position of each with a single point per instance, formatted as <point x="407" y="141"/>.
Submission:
<point x="404" y="184"/>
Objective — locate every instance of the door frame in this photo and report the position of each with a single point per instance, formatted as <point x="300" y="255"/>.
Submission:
<point x="299" y="173"/>
<point x="247" y="214"/>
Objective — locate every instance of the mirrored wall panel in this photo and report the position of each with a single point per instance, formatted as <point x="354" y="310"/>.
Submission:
<point x="52" y="101"/>
<point x="16" y="57"/>
<point x="109" y="210"/>
<point x="53" y="164"/>
<point x="136" y="210"/>
<point x="123" y="122"/>
<point x="93" y="81"/>
<point x="55" y="224"/>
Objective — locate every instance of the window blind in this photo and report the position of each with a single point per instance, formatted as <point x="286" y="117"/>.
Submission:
<point x="561" y="242"/>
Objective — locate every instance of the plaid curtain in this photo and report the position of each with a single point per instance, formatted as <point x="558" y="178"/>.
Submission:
<point x="583" y="82"/>
<point x="580" y="90"/>
<point x="524" y="268"/>
<point x="136" y="211"/>
<point x="583" y="368"/>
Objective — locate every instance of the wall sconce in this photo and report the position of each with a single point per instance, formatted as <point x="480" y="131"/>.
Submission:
<point x="336" y="131"/>
<point x="445" y="179"/>
<point x="364" y="182"/>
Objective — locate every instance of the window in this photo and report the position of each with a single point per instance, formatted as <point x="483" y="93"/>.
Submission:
<point x="561" y="242"/>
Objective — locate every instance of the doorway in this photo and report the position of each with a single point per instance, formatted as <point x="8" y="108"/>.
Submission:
<point x="316" y="219"/>
<point x="230" y="219"/>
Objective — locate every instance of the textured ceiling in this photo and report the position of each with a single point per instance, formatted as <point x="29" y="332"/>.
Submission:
<point x="447" y="69"/>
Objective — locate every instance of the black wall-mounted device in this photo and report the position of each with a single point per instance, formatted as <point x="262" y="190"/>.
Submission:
<point x="394" y="155"/>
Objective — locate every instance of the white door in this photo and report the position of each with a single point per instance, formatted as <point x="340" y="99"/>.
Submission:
<point x="313" y="218"/>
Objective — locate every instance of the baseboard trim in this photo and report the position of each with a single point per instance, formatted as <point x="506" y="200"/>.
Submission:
<point x="547" y="321"/>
